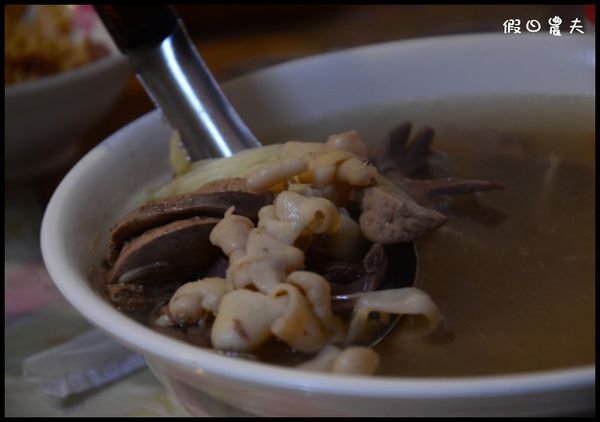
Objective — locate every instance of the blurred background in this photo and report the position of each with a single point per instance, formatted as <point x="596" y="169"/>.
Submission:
<point x="233" y="40"/>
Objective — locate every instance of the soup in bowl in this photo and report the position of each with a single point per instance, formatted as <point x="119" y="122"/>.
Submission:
<point x="510" y="271"/>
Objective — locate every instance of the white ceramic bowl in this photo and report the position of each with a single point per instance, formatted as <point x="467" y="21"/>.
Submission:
<point x="43" y="117"/>
<point x="101" y="187"/>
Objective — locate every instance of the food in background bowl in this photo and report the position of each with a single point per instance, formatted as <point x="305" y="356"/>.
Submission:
<point x="47" y="39"/>
<point x="67" y="73"/>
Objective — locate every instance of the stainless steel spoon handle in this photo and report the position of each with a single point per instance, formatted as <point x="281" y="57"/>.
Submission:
<point x="177" y="79"/>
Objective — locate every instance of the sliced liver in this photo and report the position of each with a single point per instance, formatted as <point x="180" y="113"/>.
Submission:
<point x="211" y="200"/>
<point x="173" y="253"/>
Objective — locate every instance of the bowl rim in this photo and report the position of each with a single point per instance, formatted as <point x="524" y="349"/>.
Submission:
<point x="207" y="362"/>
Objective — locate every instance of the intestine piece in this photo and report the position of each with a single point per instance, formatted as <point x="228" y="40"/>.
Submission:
<point x="319" y="215"/>
<point x="275" y="172"/>
<point x="193" y="300"/>
<point x="298" y="327"/>
<point x="270" y="261"/>
<point x="244" y="320"/>
<point x="349" y="141"/>
<point x="354" y="360"/>
<point x="404" y="301"/>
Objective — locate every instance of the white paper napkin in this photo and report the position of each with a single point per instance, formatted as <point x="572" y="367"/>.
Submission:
<point x="86" y="362"/>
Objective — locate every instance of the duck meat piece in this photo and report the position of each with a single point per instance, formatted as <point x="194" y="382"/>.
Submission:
<point x="390" y="216"/>
<point x="346" y="276"/>
<point x="415" y="158"/>
<point x="211" y="200"/>
<point x="389" y="266"/>
<point x="384" y="267"/>
<point x="411" y="165"/>
<point x="372" y="273"/>
<point x="434" y="193"/>
<point x="450" y="186"/>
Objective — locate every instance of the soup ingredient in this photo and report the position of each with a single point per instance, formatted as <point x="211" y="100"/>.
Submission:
<point x="347" y="277"/>
<point x="409" y="300"/>
<point x="157" y="244"/>
<point x="315" y="218"/>
<point x="354" y="360"/>
<point x="513" y="271"/>
<point x="412" y="157"/>
<point x="161" y="256"/>
<point x="275" y="172"/>
<point x="269" y="295"/>
<point x="211" y="200"/>
<point x="411" y="166"/>
<point x="191" y="302"/>
<point x="390" y="217"/>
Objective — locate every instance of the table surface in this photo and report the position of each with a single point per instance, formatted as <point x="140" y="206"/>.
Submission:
<point x="233" y="40"/>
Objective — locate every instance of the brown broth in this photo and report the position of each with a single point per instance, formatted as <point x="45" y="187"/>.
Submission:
<point x="517" y="294"/>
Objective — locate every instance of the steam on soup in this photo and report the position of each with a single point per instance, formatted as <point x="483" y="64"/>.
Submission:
<point x="244" y="255"/>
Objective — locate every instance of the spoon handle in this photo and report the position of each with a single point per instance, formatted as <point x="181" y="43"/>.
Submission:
<point x="177" y="79"/>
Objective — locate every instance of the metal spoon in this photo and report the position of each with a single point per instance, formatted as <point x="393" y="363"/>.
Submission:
<point x="177" y="79"/>
<point x="179" y="82"/>
<point x="404" y="271"/>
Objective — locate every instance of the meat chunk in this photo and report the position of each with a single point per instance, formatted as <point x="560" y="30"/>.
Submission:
<point x="391" y="217"/>
<point x="413" y="157"/>
<point x="419" y="170"/>
<point x="436" y="193"/>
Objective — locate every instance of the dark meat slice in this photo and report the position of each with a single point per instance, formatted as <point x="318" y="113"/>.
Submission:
<point x="384" y="267"/>
<point x="339" y="273"/>
<point x="392" y="217"/>
<point x="211" y="200"/>
<point x="415" y="158"/>
<point x="434" y="193"/>
<point x="350" y="277"/>
<point x="469" y="206"/>
<point x="176" y="252"/>
<point x="408" y="164"/>
<point x="372" y="274"/>
<point x="389" y="266"/>
<point x="450" y="186"/>
<point x="218" y="268"/>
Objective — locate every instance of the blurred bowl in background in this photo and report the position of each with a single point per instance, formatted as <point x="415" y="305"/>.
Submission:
<point x="45" y="116"/>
